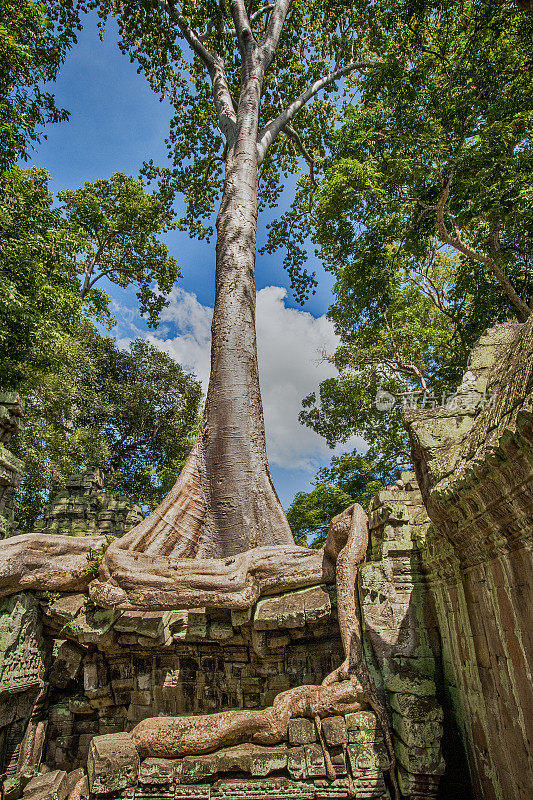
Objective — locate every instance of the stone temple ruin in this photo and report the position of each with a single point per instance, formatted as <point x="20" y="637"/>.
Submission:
<point x="444" y="599"/>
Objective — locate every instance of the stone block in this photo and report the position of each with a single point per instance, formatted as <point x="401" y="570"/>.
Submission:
<point x="73" y="778"/>
<point x="93" y="623"/>
<point x="50" y="786"/>
<point x="334" y="730"/>
<point x="416" y="733"/>
<point x="425" y="760"/>
<point x="362" y="721"/>
<point x="301" y="731"/>
<point x="113" y="763"/>
<point x="296" y="763"/>
<point x="122" y="690"/>
<point x="410" y="682"/>
<point x="80" y="706"/>
<point x="141" y="698"/>
<point x="193" y="769"/>
<point x="278" y="642"/>
<point x="66" y="607"/>
<point x="159" y="771"/>
<point x="368" y="757"/>
<point x="314" y="759"/>
<point x="414" y="707"/>
<point x="293" y="609"/>
<point x="220" y="631"/>
<point x="268" y="759"/>
<point x="273" y="788"/>
<point x="102" y="697"/>
<point x="241" y="618"/>
<point x="192" y="792"/>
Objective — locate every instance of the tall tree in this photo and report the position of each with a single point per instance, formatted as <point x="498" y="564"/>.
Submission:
<point x="118" y="225"/>
<point x="253" y="71"/>
<point x="39" y="294"/>
<point x="134" y="413"/>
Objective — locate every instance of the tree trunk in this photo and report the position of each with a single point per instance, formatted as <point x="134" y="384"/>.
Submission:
<point x="224" y="502"/>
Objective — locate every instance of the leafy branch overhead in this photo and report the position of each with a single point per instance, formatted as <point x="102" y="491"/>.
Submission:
<point x="436" y="145"/>
<point x="200" y="55"/>
<point x="117" y="225"/>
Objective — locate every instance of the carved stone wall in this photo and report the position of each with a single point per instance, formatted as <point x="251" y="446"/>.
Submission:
<point x="24" y="657"/>
<point x="474" y="463"/>
<point x="400" y="635"/>
<point x="294" y="769"/>
<point x="136" y="665"/>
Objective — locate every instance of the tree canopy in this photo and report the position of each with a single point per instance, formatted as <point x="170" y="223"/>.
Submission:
<point x="134" y="413"/>
<point x="40" y="302"/>
<point x="118" y="224"/>
<point x="34" y="39"/>
<point x="436" y="144"/>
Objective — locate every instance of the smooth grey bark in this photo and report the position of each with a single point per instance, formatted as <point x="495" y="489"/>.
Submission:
<point x="243" y="509"/>
<point x="224" y="501"/>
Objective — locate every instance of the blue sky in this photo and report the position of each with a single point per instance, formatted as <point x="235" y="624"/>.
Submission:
<point x="117" y="122"/>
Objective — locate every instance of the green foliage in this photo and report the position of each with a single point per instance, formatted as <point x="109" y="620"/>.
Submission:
<point x="350" y="478"/>
<point x="94" y="559"/>
<point x="316" y="40"/>
<point x="133" y="412"/>
<point x="39" y="295"/>
<point x="118" y="224"/>
<point x="51" y="258"/>
<point x="34" y="39"/>
<point x="444" y="115"/>
<point x="446" y="106"/>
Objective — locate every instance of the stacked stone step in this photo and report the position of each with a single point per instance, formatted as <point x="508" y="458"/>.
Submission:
<point x="83" y="508"/>
<point x="399" y="634"/>
<point x="11" y="411"/>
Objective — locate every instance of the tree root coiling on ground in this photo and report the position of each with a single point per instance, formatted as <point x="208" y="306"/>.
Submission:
<point x="173" y="737"/>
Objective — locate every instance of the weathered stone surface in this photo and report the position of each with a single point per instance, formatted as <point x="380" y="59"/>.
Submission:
<point x="159" y="771"/>
<point x="274" y="788"/>
<point x="293" y="610"/>
<point x="314" y="759"/>
<point x="67" y="666"/>
<point x="113" y="764"/>
<point x="83" y="508"/>
<point x="50" y="786"/>
<point x="23" y="650"/>
<point x="301" y="731"/>
<point x="477" y="486"/>
<point x="334" y="730"/>
<point x="368" y="756"/>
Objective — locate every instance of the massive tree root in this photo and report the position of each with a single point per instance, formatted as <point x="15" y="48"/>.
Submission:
<point x="131" y="580"/>
<point x="43" y="561"/>
<point x="172" y="737"/>
<point x="142" y="580"/>
<point x="238" y="582"/>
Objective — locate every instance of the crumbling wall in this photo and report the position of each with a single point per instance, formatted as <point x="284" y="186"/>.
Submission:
<point x="474" y="463"/>
<point x="400" y="635"/>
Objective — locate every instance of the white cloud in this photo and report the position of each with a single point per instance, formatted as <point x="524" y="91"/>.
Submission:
<point x="291" y="345"/>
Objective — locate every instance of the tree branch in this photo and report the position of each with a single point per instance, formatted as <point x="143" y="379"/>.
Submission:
<point x="270" y="41"/>
<point x="456" y="241"/>
<point x="289" y="131"/>
<point x="260" y="11"/>
<point x="215" y="66"/>
<point x="272" y="128"/>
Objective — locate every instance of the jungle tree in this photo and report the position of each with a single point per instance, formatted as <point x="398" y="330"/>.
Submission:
<point x="254" y="71"/>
